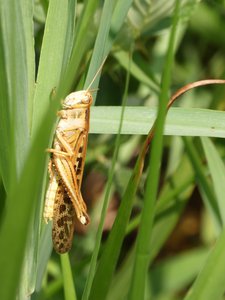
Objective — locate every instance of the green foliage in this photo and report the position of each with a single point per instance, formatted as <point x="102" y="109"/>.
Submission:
<point x="49" y="48"/>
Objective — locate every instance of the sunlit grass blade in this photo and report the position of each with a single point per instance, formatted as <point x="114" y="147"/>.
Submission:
<point x="26" y="192"/>
<point x="179" y="121"/>
<point x="5" y="120"/>
<point x="143" y="244"/>
<point x="17" y="84"/>
<point x="17" y="87"/>
<point x="52" y="56"/>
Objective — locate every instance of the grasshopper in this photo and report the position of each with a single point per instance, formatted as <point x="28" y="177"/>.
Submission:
<point x="63" y="197"/>
<point x="64" y="200"/>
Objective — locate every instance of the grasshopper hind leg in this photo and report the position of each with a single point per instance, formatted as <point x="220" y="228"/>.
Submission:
<point x="63" y="221"/>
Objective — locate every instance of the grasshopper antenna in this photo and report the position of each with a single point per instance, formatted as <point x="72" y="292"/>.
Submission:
<point x="88" y="89"/>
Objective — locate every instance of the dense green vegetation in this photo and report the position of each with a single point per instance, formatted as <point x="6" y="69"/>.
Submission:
<point x="156" y="229"/>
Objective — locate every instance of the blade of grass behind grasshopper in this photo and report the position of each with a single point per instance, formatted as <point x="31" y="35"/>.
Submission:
<point x="143" y="244"/>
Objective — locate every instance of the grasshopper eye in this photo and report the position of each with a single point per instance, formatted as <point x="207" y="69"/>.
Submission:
<point x="85" y="99"/>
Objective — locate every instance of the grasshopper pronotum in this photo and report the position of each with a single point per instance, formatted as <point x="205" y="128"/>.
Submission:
<point x="63" y="197"/>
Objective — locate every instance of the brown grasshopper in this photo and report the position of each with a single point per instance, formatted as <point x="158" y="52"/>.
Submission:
<point x="63" y="198"/>
<point x="66" y="166"/>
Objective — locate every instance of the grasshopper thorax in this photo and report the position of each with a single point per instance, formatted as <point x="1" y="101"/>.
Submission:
<point x="78" y="99"/>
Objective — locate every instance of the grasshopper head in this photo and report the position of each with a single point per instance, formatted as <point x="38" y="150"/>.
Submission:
<point x="78" y="100"/>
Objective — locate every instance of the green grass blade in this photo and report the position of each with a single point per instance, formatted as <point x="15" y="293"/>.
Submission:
<point x="217" y="171"/>
<point x="143" y="245"/>
<point x="138" y="120"/>
<point x="51" y="59"/>
<point x="16" y="224"/>
<point x="17" y="83"/>
<point x="69" y="289"/>
<point x="210" y="284"/>
<point x="17" y="76"/>
<point x="5" y="118"/>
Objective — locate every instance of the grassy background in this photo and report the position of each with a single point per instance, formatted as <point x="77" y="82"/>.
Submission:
<point x="167" y="241"/>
